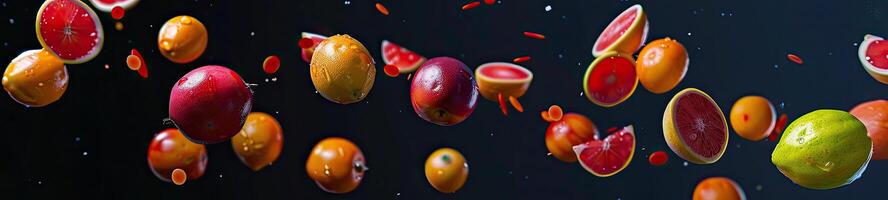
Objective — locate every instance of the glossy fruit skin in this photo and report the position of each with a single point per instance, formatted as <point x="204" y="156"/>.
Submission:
<point x="753" y="117"/>
<point x="342" y="69"/>
<point x="210" y="104"/>
<point x="260" y="141"/>
<point x="446" y="170"/>
<point x="661" y="65"/>
<point x="874" y="115"/>
<point x="823" y="149"/>
<point x="571" y="130"/>
<point x="443" y="91"/>
<point x="182" y="39"/>
<point x="36" y="78"/>
<point x="336" y="165"/>
<point x="718" y="188"/>
<point x="170" y="150"/>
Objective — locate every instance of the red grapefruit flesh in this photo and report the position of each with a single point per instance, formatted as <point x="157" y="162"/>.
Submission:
<point x="308" y="51"/>
<point x="624" y="34"/>
<point x="873" y="53"/>
<point x="407" y="61"/>
<point x="70" y="30"/>
<point x="607" y="157"/>
<point x="108" y="5"/>
<point x="610" y="79"/>
<point x="695" y="127"/>
<point x="508" y="79"/>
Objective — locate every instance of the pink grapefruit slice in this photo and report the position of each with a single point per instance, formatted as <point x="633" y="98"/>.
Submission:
<point x="610" y="79"/>
<point x="407" y="61"/>
<point x="70" y="30"/>
<point x="695" y="127"/>
<point x="873" y="54"/>
<point x="607" y="157"/>
<point x="108" y="5"/>
<point x="316" y="39"/>
<point x="504" y="78"/>
<point x="624" y="34"/>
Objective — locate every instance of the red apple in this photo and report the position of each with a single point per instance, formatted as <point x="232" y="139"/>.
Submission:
<point x="210" y="104"/>
<point x="443" y="91"/>
<point x="571" y="130"/>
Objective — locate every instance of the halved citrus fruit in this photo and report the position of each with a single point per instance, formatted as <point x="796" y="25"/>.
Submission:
<point x="108" y="5"/>
<point x="70" y="30"/>
<point x="407" y="61"/>
<point x="625" y="34"/>
<point x="607" y="157"/>
<point x="508" y="79"/>
<point x="610" y="79"/>
<point x="308" y="50"/>
<point x="695" y="127"/>
<point x="661" y="65"/>
<point x="873" y="54"/>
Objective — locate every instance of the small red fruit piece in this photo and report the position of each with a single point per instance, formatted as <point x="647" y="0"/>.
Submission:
<point x="143" y="69"/>
<point x="382" y="9"/>
<point x="391" y="70"/>
<point x="535" y="35"/>
<point x="133" y="62"/>
<point x="117" y="13"/>
<point x="794" y="58"/>
<point x="471" y="5"/>
<point x="516" y="104"/>
<point x="521" y="59"/>
<point x="502" y="104"/>
<point x="178" y="175"/>
<point x="555" y="112"/>
<point x="489" y="2"/>
<point x="545" y="115"/>
<point x="658" y="158"/>
<point x="778" y="128"/>
<point x="271" y="64"/>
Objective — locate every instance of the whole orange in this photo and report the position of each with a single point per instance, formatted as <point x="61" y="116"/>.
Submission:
<point x="718" y="188"/>
<point x="661" y="65"/>
<point x="753" y="117"/>
<point x="874" y="115"/>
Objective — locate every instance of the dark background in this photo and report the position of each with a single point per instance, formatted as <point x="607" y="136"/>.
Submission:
<point x="93" y="142"/>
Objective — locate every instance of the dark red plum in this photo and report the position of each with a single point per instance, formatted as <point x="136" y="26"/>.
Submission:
<point x="210" y="104"/>
<point x="443" y="91"/>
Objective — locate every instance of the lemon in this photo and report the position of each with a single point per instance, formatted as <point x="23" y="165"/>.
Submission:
<point x="823" y="149"/>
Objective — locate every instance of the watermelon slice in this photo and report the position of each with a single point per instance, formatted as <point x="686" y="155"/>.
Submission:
<point x="315" y="39"/>
<point x="108" y="5"/>
<point x="407" y="61"/>
<point x="873" y="54"/>
<point x="607" y="157"/>
<point x="625" y="34"/>
<point x="70" y="30"/>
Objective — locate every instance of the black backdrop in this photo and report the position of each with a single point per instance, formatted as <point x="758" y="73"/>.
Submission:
<point x="93" y="142"/>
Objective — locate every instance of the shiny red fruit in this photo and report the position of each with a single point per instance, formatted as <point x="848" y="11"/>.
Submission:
<point x="444" y="91"/>
<point x="210" y="104"/>
<point x="571" y="130"/>
<point x="170" y="150"/>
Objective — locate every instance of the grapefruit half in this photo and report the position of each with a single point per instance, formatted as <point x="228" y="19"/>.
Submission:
<point x="316" y="39"/>
<point x="607" y="157"/>
<point x="70" y="30"/>
<point x="407" y="61"/>
<point x="502" y="78"/>
<point x="873" y="53"/>
<point x="625" y="34"/>
<point x="695" y="127"/>
<point x="610" y="79"/>
<point x="108" y="5"/>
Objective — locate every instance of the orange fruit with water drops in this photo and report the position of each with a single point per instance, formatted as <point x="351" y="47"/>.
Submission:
<point x="718" y="188"/>
<point x="260" y="141"/>
<point x="36" y="78"/>
<point x="182" y="39"/>
<point x="447" y="170"/>
<point x="874" y="115"/>
<point x="753" y="117"/>
<point x="342" y="69"/>
<point x="170" y="150"/>
<point x="568" y="131"/>
<point x="336" y="165"/>
<point x="661" y="65"/>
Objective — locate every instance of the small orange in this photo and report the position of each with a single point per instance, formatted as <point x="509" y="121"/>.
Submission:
<point x="336" y="165"/>
<point x="718" y="188"/>
<point x="182" y="39"/>
<point x="446" y="169"/>
<point x="36" y="78"/>
<point x="342" y="69"/>
<point x="661" y="65"/>
<point x="753" y="117"/>
<point x="260" y="141"/>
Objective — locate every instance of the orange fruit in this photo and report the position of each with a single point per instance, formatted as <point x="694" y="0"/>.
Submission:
<point x="36" y="78"/>
<point x="342" y="69"/>
<point x="661" y="65"/>
<point x="718" y="188"/>
<point x="446" y="169"/>
<point x="260" y="141"/>
<point x="336" y="165"/>
<point x="874" y="115"/>
<point x="753" y="117"/>
<point x="182" y="39"/>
